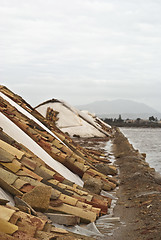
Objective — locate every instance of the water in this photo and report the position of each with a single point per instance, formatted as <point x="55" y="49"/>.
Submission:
<point x="147" y="140"/>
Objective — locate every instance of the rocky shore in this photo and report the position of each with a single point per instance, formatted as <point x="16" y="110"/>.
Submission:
<point x="139" y="194"/>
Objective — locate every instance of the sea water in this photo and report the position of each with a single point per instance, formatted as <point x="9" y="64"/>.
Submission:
<point x="146" y="140"/>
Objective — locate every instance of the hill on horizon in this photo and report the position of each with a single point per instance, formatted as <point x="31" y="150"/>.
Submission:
<point x="127" y="109"/>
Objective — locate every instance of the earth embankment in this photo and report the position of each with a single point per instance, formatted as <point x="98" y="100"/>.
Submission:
<point x="139" y="194"/>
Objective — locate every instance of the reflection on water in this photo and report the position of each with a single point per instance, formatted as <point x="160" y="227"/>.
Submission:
<point x="146" y="140"/>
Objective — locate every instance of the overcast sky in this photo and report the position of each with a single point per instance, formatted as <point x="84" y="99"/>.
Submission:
<point x="81" y="50"/>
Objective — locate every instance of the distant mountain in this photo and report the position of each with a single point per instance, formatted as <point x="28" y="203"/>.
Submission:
<point x="127" y="109"/>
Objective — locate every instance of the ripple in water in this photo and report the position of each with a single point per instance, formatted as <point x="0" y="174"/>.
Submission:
<point x="147" y="140"/>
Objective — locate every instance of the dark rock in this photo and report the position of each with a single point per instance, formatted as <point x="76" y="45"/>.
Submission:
<point x="38" y="198"/>
<point x="157" y="177"/>
<point x="93" y="185"/>
<point x="106" y="169"/>
<point x="63" y="219"/>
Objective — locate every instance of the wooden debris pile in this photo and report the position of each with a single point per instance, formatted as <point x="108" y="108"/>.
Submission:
<point x="54" y="147"/>
<point x="36" y="187"/>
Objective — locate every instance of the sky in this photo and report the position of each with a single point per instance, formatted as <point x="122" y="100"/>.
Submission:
<point x="81" y="51"/>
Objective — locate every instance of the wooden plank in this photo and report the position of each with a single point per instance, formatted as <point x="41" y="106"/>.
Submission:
<point x="83" y="214"/>
<point x="28" y="163"/>
<point x="19" y="183"/>
<point x="12" y="150"/>
<point x="63" y="219"/>
<point x="7" y="227"/>
<point x="5" y="156"/>
<point x="9" y="188"/>
<point x="7" y="177"/>
<point x="67" y="199"/>
<point x="6" y="213"/>
<point x="13" y="166"/>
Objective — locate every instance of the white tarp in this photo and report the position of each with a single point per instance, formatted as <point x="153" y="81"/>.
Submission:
<point x="16" y="133"/>
<point x="70" y="121"/>
<point x="22" y="110"/>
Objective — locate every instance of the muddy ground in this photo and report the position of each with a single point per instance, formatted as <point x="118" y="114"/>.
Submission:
<point x="139" y="192"/>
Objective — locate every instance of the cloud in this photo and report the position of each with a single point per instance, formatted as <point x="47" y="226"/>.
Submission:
<point x="81" y="50"/>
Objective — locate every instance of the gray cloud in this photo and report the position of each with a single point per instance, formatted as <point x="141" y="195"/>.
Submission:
<point x="81" y="50"/>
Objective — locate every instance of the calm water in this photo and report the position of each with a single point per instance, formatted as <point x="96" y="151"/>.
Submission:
<point x="147" y="140"/>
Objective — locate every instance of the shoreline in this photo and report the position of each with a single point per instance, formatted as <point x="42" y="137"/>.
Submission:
<point x="138" y="202"/>
<point x="139" y="194"/>
<point x="136" y="125"/>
